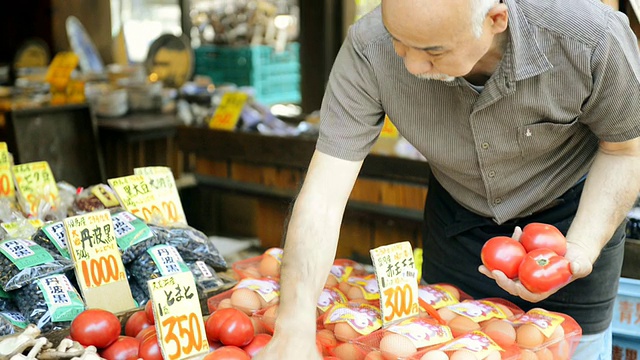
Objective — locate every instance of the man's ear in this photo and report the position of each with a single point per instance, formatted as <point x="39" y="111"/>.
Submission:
<point x="498" y="17"/>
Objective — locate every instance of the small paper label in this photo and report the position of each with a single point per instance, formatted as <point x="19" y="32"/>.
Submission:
<point x="15" y="318"/>
<point x="478" y="310"/>
<point x="167" y="259"/>
<point x="476" y="341"/>
<point x="421" y="332"/>
<point x="268" y="289"/>
<point x="25" y="253"/>
<point x="436" y="296"/>
<point x="62" y="299"/>
<point x="363" y="318"/>
<point x="204" y="269"/>
<point x="329" y="297"/>
<point x="106" y="196"/>
<point x="129" y="230"/>
<point x="545" y="321"/>
<point x="57" y="234"/>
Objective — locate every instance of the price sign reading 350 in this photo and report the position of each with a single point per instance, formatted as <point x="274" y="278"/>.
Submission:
<point x="93" y="247"/>
<point x="397" y="279"/>
<point x="179" y="322"/>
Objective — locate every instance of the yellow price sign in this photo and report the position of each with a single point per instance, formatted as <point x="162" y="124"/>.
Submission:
<point x="6" y="180"/>
<point x="179" y="323"/>
<point x="163" y="184"/>
<point x="228" y="112"/>
<point x="398" y="281"/>
<point x="106" y="196"/>
<point x="36" y="184"/>
<point x="140" y="198"/>
<point x="93" y="247"/>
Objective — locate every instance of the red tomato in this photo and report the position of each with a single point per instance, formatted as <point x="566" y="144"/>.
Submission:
<point x="229" y="326"/>
<point x="135" y="323"/>
<point x="125" y="348"/>
<point x="149" y="349"/>
<point x="148" y="309"/>
<point x="228" y="353"/>
<point x="503" y="253"/>
<point x="259" y="341"/>
<point x="543" y="236"/>
<point x="95" y="327"/>
<point x="543" y="270"/>
<point x="146" y="332"/>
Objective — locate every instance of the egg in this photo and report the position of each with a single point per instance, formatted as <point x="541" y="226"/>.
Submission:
<point x="505" y="309"/>
<point x="331" y="281"/>
<point x="463" y="355"/>
<point x="269" y="317"/>
<point x="224" y="304"/>
<point x="494" y="355"/>
<point x="529" y="336"/>
<point x="446" y="314"/>
<point x="258" y="326"/>
<point x="544" y="354"/>
<point x="269" y="266"/>
<point x="558" y="333"/>
<point x="344" y="287"/>
<point x="246" y="300"/>
<point x="528" y="355"/>
<point x="395" y="346"/>
<point x="355" y="293"/>
<point x="252" y="272"/>
<point x="461" y="325"/>
<point x="344" y="332"/>
<point x="326" y="339"/>
<point x="435" y="355"/>
<point x="501" y="332"/>
<point x="452" y="290"/>
<point x="561" y="350"/>
<point x="374" y="355"/>
<point x="348" y="351"/>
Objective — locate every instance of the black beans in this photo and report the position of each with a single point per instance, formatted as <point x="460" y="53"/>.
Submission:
<point x="192" y="244"/>
<point x="50" y="309"/>
<point x="12" y="277"/>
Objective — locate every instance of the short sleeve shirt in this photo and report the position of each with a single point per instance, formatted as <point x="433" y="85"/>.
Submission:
<point x="569" y="78"/>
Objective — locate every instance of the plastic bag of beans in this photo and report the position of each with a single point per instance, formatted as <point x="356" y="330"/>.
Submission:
<point x="23" y="261"/>
<point x="51" y="303"/>
<point x="192" y="244"/>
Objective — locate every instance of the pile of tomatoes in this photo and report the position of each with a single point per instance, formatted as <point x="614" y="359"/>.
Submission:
<point x="537" y="259"/>
<point x="231" y="335"/>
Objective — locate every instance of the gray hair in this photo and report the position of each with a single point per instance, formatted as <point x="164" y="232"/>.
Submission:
<point x="479" y="10"/>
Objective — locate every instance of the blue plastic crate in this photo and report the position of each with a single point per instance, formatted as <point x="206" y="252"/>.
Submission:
<point x="625" y="348"/>
<point x="626" y="310"/>
<point x="275" y="76"/>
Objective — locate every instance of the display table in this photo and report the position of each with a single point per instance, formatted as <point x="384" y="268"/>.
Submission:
<point x="247" y="182"/>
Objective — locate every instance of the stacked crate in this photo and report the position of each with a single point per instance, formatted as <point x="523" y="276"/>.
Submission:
<point x="626" y="320"/>
<point x="274" y="75"/>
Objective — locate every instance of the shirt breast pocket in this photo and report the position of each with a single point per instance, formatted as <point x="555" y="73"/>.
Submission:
<point x="538" y="139"/>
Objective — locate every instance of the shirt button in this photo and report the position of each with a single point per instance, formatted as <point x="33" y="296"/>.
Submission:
<point x="492" y="173"/>
<point x="497" y="201"/>
<point x="485" y="145"/>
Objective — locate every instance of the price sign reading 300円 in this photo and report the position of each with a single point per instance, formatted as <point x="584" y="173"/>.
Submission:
<point x="179" y="323"/>
<point x="397" y="280"/>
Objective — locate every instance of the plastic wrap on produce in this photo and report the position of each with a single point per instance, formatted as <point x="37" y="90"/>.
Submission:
<point x="94" y="198"/>
<point x="12" y="322"/>
<point x="23" y="261"/>
<point x="134" y="237"/>
<point x="53" y="237"/>
<point x="51" y="303"/>
<point x="192" y="244"/>
<point x="164" y="260"/>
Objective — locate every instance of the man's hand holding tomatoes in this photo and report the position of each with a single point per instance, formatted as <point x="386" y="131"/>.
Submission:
<point x="579" y="257"/>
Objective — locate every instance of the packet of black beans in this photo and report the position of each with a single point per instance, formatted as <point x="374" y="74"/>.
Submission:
<point x="53" y="237"/>
<point x="134" y="237"/>
<point x="51" y="303"/>
<point x="12" y="322"/>
<point x="192" y="244"/>
<point x="164" y="260"/>
<point x="23" y="261"/>
<point x="6" y="301"/>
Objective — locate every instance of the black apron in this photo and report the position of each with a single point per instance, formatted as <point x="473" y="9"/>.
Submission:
<point x="453" y="237"/>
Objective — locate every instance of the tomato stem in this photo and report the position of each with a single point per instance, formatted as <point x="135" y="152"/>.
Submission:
<point x="542" y="262"/>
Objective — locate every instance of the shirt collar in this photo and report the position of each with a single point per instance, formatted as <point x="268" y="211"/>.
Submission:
<point x="525" y="57"/>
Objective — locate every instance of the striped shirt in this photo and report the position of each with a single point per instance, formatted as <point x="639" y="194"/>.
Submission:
<point x="569" y="77"/>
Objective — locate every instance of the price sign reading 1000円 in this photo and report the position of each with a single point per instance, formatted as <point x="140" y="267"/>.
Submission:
<point x="93" y="247"/>
<point x="179" y="322"/>
<point x="397" y="279"/>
